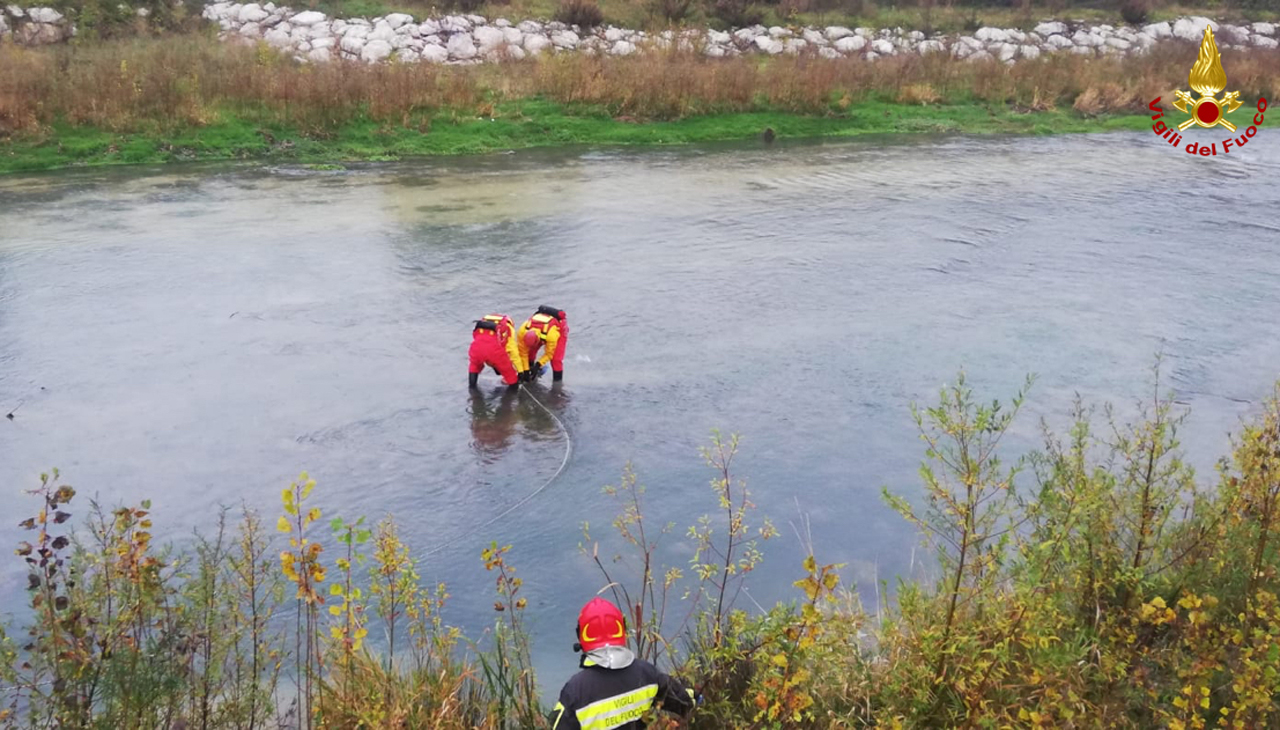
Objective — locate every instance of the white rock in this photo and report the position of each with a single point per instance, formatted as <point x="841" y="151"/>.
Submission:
<point x="883" y="47"/>
<point x="745" y="36"/>
<point x="14" y="10"/>
<point x="1059" y="42"/>
<point x="375" y="51"/>
<point x="836" y="32"/>
<point x="851" y="44"/>
<point x="432" y="53"/>
<point x="768" y="45"/>
<point x="1143" y="40"/>
<point x="871" y="55"/>
<point x="1264" y="28"/>
<point x="979" y="56"/>
<point x="395" y="20"/>
<point x="535" y="44"/>
<point x="1051" y="28"/>
<point x="1082" y="50"/>
<point x="1028" y="52"/>
<point x="252" y="13"/>
<point x="915" y="35"/>
<point x="400" y="42"/>
<point x="308" y="18"/>
<point x="455" y="24"/>
<point x="794" y="45"/>
<point x="322" y="43"/>
<point x="991" y="35"/>
<point x="1004" y="51"/>
<point x="1119" y="43"/>
<point x="930" y="46"/>
<point x="1192" y="29"/>
<point x="407" y="55"/>
<point x="715" y="51"/>
<point x="719" y="36"/>
<point x="251" y="30"/>
<point x="476" y="19"/>
<point x="502" y="23"/>
<point x="779" y="32"/>
<point x="829" y="52"/>
<point x="1262" y="41"/>
<point x="1085" y="38"/>
<point x="488" y="38"/>
<point x="613" y="35"/>
<point x="515" y="53"/>
<point x="461" y="47"/>
<point x="381" y="32"/>
<point x="529" y="26"/>
<point x="277" y="38"/>
<point x="352" y="44"/>
<point x="338" y="26"/>
<point x="812" y="36"/>
<point x="565" y="39"/>
<point x="513" y="36"/>
<point x="1157" y="30"/>
<point x="864" y="32"/>
<point x="428" y="27"/>
<point x="319" y="30"/>
<point x="320" y="54"/>
<point x="44" y="15"/>
<point x="623" y="48"/>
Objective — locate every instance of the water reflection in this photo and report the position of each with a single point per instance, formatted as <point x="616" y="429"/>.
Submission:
<point x="495" y="418"/>
<point x="502" y="418"/>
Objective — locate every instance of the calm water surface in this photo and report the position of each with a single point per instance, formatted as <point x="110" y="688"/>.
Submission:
<point x="198" y="336"/>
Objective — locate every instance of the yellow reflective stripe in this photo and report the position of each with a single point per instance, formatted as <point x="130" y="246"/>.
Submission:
<point x="559" y="710"/>
<point x="617" y="710"/>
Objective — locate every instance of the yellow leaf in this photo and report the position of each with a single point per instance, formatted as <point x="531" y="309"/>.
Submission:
<point x="335" y="590"/>
<point x="810" y="565"/>
<point x="307" y="487"/>
<point x="780" y="660"/>
<point x="283" y="525"/>
<point x="335" y="610"/>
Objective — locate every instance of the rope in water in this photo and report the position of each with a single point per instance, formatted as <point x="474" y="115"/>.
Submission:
<point x="568" y="450"/>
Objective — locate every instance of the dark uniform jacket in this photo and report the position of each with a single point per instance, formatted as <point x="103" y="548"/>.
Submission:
<point x="597" y="698"/>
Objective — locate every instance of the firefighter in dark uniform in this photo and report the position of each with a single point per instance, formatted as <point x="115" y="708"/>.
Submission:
<point x="614" y="688"/>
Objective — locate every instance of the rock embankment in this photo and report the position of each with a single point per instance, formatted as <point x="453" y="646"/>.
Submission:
<point x="463" y="39"/>
<point x="34" y="26"/>
<point x="472" y="38"/>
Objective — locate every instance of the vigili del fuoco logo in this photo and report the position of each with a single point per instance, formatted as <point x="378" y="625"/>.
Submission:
<point x="1207" y="78"/>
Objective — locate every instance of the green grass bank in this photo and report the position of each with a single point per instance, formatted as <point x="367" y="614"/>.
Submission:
<point x="514" y="126"/>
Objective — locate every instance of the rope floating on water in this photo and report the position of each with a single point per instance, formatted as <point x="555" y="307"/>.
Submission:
<point x="568" y="450"/>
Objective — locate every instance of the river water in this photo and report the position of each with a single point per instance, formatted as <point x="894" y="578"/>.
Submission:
<point x="200" y="335"/>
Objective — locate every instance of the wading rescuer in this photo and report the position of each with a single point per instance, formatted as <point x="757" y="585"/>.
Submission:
<point x="493" y="343"/>
<point x="547" y="330"/>
<point x="614" y="688"/>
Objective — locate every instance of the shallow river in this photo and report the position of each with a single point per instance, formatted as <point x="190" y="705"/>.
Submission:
<point x="198" y="336"/>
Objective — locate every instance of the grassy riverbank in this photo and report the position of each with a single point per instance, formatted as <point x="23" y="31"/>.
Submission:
<point x="516" y="126"/>
<point x="1131" y="593"/>
<point x="193" y="98"/>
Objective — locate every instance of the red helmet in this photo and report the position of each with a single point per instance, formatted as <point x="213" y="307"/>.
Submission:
<point x="601" y="624"/>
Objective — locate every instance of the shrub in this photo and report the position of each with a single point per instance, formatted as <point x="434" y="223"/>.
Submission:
<point x="737" y="13"/>
<point x="673" y="11"/>
<point x="1135" y="12"/>
<point x="582" y="13"/>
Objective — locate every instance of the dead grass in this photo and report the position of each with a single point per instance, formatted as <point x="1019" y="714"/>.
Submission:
<point x="188" y="81"/>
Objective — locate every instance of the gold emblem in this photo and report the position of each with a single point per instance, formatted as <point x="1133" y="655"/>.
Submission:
<point x="1208" y="78"/>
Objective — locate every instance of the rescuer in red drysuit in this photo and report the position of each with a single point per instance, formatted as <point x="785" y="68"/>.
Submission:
<point x="547" y="326"/>
<point x="493" y="343"/>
